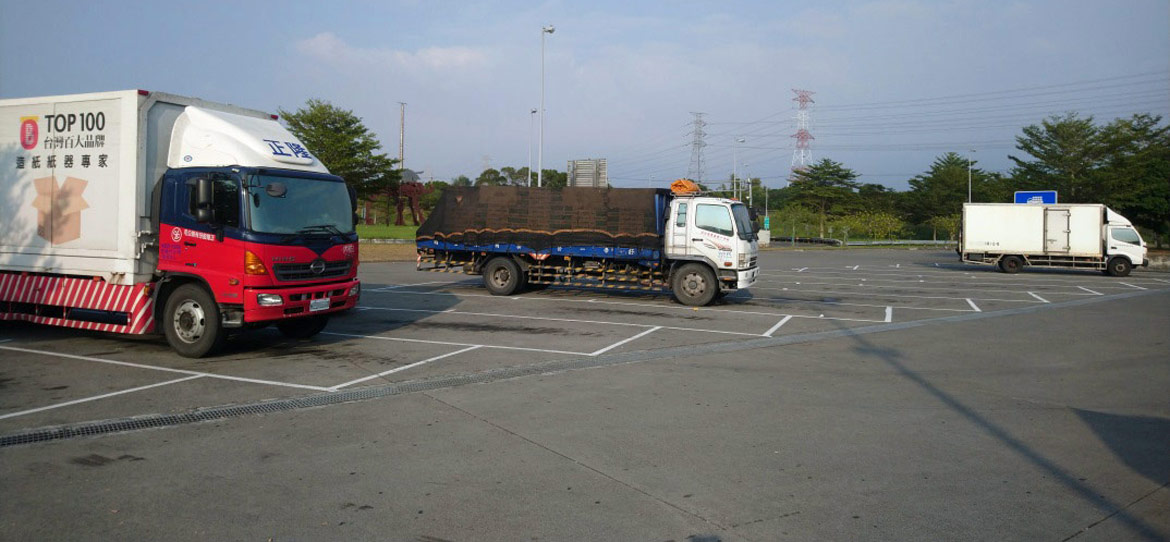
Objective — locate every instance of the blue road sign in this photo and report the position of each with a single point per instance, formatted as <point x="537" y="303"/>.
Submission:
<point x="1036" y="196"/>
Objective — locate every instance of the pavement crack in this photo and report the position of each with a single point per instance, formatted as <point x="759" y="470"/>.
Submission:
<point x="1115" y="512"/>
<point x="583" y="465"/>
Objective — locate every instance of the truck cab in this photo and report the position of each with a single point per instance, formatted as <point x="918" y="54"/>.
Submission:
<point x="715" y="231"/>
<point x="251" y="231"/>
<point x="1122" y="241"/>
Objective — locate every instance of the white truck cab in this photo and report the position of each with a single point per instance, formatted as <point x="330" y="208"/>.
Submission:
<point x="1121" y="239"/>
<point x="718" y="232"/>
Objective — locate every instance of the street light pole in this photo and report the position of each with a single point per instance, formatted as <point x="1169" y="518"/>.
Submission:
<point x="531" y="128"/>
<point x="735" y="167"/>
<point x="969" y="174"/>
<point x="540" y="153"/>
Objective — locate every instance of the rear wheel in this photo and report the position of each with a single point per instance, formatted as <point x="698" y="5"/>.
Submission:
<point x="191" y="322"/>
<point x="501" y="276"/>
<point x="302" y="328"/>
<point x="1011" y="264"/>
<point x="1119" y="267"/>
<point x="694" y="284"/>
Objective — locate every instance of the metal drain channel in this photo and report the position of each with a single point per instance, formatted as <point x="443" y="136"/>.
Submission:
<point x="154" y="421"/>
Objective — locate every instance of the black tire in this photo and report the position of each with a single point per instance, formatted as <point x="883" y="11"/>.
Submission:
<point x="1118" y="267"/>
<point x="191" y="322"/>
<point x="501" y="276"/>
<point x="1011" y="264"/>
<point x="694" y="284"/>
<point x="302" y="328"/>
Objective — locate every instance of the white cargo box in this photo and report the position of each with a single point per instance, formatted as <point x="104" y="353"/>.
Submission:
<point x="1063" y="229"/>
<point x="76" y="178"/>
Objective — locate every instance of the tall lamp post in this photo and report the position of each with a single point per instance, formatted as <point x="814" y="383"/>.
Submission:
<point x="531" y="126"/>
<point x="540" y="153"/>
<point x="969" y="151"/>
<point x="735" y="167"/>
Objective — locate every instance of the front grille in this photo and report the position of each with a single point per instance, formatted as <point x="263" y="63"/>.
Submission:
<point x="304" y="271"/>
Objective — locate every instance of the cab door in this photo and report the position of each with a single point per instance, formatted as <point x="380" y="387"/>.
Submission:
<point x="211" y="250"/>
<point x="677" y="242"/>
<point x="1125" y="241"/>
<point x="713" y="234"/>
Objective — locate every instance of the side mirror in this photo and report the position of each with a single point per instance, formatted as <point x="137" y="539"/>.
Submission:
<point x="204" y="200"/>
<point x="353" y="203"/>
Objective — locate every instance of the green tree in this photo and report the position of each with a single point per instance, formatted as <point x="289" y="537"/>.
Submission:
<point x="949" y="224"/>
<point x="1066" y="151"/>
<point x="1135" y="173"/>
<point x="461" y="180"/>
<point x="553" y="178"/>
<point x="343" y="144"/>
<point x="942" y="190"/>
<point x="430" y="199"/>
<point x="828" y="187"/>
<point x="491" y="177"/>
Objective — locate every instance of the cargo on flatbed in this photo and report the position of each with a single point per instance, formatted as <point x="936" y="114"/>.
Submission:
<point x="614" y="238"/>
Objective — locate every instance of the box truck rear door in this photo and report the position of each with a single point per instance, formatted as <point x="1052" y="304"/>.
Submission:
<point x="1056" y="230"/>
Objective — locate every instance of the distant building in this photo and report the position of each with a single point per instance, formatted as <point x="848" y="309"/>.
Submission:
<point x="590" y="173"/>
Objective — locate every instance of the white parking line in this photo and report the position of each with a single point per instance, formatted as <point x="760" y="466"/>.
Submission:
<point x="855" y="267"/>
<point x="448" y="343"/>
<point x="96" y="397"/>
<point x="403" y="368"/>
<point x="973" y="305"/>
<point x="1133" y="286"/>
<point x="777" y="326"/>
<point x="889" y="314"/>
<point x="657" y="306"/>
<point x="899" y="296"/>
<point x="396" y="286"/>
<point x="945" y="288"/>
<point x="1160" y="280"/>
<point x="1033" y="294"/>
<point x="619" y="343"/>
<point x="1090" y="291"/>
<point x="551" y="319"/>
<point x="958" y="282"/>
<point x="163" y="369"/>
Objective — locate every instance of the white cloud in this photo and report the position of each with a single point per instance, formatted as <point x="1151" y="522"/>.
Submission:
<point x="328" y="48"/>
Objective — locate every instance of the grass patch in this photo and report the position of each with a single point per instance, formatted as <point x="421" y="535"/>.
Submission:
<point x="382" y="231"/>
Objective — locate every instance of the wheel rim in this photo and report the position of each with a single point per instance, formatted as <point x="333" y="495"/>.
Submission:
<point x="694" y="284"/>
<point x="189" y="322"/>
<point x="501" y="277"/>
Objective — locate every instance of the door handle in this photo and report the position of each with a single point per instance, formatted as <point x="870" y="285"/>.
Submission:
<point x="699" y="239"/>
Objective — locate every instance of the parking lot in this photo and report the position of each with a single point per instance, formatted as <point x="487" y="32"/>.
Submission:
<point x="427" y="332"/>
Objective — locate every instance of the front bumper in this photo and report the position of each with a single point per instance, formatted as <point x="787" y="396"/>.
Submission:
<point x="738" y="280"/>
<point x="301" y="301"/>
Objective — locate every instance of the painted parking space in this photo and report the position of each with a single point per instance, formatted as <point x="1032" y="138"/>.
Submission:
<point x="414" y="326"/>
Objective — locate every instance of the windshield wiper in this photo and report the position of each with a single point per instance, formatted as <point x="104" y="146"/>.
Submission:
<point x="326" y="228"/>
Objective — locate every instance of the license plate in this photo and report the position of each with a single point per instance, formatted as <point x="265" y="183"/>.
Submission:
<point x="318" y="304"/>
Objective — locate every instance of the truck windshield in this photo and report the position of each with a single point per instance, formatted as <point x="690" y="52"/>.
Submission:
<point x="290" y="205"/>
<point x="743" y="222"/>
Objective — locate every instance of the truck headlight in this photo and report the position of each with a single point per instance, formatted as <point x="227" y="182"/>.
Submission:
<point x="269" y="300"/>
<point x="742" y="259"/>
<point x="357" y="289"/>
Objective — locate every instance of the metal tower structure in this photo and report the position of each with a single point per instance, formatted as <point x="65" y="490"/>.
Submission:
<point x="802" y="154"/>
<point x="695" y="172"/>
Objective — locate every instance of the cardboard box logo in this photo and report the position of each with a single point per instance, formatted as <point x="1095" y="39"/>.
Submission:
<point x="59" y="208"/>
<point x="29" y="132"/>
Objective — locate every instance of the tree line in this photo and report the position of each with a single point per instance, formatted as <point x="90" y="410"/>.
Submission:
<point x="1124" y="164"/>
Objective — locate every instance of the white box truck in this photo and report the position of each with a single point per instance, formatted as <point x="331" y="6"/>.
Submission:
<point x="138" y="212"/>
<point x="1079" y="236"/>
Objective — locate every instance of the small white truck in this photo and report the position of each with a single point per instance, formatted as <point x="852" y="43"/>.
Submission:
<point x="1078" y="236"/>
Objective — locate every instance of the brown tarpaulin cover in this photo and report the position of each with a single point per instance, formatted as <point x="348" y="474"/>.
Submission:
<point x="541" y="218"/>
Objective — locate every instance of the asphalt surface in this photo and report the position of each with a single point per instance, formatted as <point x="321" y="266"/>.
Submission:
<point x="858" y="394"/>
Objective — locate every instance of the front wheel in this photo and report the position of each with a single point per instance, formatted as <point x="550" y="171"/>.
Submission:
<point x="694" y="284"/>
<point x="302" y="328"/>
<point x="1119" y="267"/>
<point x="191" y="322"/>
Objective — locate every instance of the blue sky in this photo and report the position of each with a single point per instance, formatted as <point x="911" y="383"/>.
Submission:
<point x="897" y="82"/>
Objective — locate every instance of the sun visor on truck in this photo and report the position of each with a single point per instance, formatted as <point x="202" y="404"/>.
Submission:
<point x="206" y="138"/>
